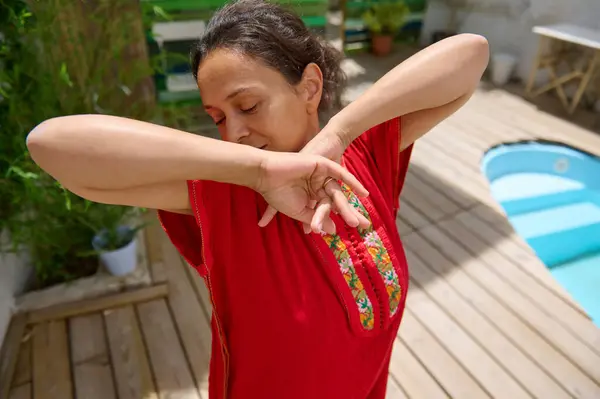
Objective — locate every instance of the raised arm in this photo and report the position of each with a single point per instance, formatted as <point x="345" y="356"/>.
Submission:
<point x="121" y="161"/>
<point x="425" y="89"/>
<point x="127" y="162"/>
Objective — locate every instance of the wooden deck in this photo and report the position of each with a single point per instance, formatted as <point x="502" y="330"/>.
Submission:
<point x="484" y="318"/>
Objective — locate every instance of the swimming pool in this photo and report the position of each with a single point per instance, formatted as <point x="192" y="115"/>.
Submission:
<point x="551" y="195"/>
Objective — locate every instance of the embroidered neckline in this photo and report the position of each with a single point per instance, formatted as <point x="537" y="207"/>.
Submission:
<point x="381" y="259"/>
<point x="348" y="270"/>
<point x="378" y="253"/>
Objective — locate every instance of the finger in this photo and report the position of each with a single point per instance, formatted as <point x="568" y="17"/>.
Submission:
<point x="266" y="218"/>
<point x="346" y="210"/>
<point x="306" y="228"/>
<point x="305" y="216"/>
<point x="363" y="222"/>
<point x="321" y="222"/>
<point x="338" y="172"/>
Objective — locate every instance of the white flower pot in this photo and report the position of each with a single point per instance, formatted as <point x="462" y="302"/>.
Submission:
<point x="118" y="262"/>
<point x="502" y="67"/>
<point x="122" y="261"/>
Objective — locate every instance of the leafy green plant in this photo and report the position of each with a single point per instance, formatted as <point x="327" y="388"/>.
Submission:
<point x="63" y="57"/>
<point x="386" y="18"/>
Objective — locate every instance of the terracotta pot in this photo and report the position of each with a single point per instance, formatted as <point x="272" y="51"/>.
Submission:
<point x="381" y="44"/>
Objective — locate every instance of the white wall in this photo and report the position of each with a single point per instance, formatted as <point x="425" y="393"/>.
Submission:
<point x="507" y="23"/>
<point x="14" y="275"/>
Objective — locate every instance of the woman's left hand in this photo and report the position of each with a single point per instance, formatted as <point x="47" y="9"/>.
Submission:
<point x="327" y="143"/>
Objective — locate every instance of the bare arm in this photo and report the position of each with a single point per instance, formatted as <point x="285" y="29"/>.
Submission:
<point x="425" y="89"/>
<point x="122" y="161"/>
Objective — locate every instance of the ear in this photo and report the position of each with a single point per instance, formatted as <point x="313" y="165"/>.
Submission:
<point x="312" y="87"/>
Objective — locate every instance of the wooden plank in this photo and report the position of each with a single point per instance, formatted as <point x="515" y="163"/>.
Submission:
<point x="71" y="309"/>
<point x="23" y="371"/>
<point x="411" y="375"/>
<point x="470" y="231"/>
<point x="451" y="141"/>
<point x="9" y="353"/>
<point x="197" y="282"/>
<point x="421" y="202"/>
<point x="403" y="226"/>
<point x="92" y="373"/>
<point x="408" y="213"/>
<point x="499" y="222"/>
<point x="394" y="391"/>
<point x="441" y="365"/>
<point x="173" y="376"/>
<point x="192" y="323"/>
<point x="434" y="194"/>
<point x="521" y="367"/>
<point x="456" y="195"/>
<point x="51" y="365"/>
<point x="445" y="174"/>
<point x="524" y="116"/>
<point x="450" y="159"/>
<point x="520" y="304"/>
<point x="494" y="228"/>
<point x="154" y="236"/>
<point x="133" y="376"/>
<point x="21" y="392"/>
<point x="201" y="292"/>
<point x="504" y="319"/>
<point x="491" y="376"/>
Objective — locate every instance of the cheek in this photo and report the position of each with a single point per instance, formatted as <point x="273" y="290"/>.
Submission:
<point x="290" y="120"/>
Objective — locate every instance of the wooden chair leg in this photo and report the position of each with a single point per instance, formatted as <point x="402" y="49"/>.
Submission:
<point x="558" y="86"/>
<point x="585" y="80"/>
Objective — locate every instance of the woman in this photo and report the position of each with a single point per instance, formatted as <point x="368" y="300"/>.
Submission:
<point x="307" y="301"/>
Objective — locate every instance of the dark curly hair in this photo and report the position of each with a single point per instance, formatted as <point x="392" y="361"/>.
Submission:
<point x="277" y="37"/>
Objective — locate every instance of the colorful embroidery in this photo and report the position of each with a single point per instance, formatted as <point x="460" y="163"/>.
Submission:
<point x="348" y="270"/>
<point x="378" y="253"/>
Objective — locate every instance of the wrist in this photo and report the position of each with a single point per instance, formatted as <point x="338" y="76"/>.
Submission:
<point x="340" y="131"/>
<point x="234" y="164"/>
<point x="251" y="162"/>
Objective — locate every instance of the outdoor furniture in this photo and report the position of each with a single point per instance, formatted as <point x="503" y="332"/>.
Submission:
<point x="577" y="48"/>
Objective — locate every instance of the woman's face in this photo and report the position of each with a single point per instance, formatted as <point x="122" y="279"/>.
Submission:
<point x="254" y="105"/>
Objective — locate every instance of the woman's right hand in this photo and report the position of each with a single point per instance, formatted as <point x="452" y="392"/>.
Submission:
<point x="292" y="183"/>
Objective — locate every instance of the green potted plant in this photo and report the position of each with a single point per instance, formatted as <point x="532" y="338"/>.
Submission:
<point x="383" y="21"/>
<point x="115" y="229"/>
<point x="98" y="65"/>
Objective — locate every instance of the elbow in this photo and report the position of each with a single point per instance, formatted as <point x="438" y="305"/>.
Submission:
<point x="39" y="140"/>
<point x="44" y="144"/>
<point x="478" y="50"/>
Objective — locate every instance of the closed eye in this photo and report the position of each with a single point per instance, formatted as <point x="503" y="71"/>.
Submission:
<point x="250" y="110"/>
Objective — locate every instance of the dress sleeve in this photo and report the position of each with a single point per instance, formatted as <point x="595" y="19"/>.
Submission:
<point x="185" y="231"/>
<point x="381" y="145"/>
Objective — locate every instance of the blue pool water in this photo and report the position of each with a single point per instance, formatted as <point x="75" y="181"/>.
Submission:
<point x="551" y="195"/>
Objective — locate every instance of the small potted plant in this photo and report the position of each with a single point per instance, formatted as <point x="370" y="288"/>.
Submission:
<point x="383" y="21"/>
<point x="115" y="241"/>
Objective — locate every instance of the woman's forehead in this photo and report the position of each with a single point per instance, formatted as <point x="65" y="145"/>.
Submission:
<point x="225" y="73"/>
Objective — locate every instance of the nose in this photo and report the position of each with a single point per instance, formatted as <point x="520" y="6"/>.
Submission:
<point x="236" y="130"/>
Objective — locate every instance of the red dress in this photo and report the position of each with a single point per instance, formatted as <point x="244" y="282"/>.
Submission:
<point x="296" y="315"/>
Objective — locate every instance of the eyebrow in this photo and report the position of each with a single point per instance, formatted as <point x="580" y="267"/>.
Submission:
<point x="231" y="95"/>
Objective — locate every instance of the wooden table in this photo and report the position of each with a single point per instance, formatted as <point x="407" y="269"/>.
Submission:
<point x="577" y="48"/>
